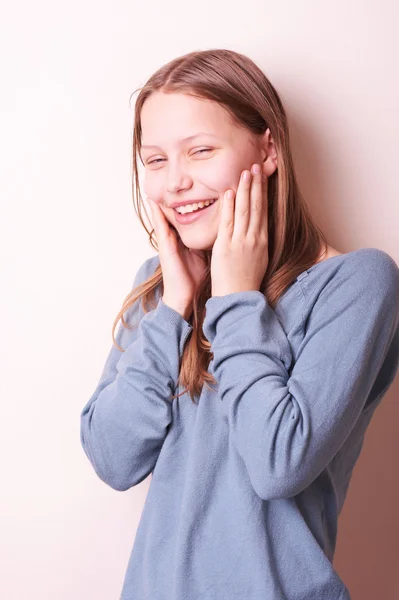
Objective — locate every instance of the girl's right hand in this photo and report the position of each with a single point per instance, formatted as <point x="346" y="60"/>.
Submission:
<point x="182" y="268"/>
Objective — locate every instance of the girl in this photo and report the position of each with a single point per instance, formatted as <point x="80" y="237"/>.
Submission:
<point x="279" y="346"/>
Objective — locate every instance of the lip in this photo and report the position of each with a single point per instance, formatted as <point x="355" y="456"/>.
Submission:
<point x="193" y="216"/>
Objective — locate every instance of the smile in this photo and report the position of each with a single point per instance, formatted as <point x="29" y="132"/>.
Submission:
<point x="192" y="214"/>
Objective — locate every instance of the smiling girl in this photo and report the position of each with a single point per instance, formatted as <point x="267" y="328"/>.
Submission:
<point x="279" y="347"/>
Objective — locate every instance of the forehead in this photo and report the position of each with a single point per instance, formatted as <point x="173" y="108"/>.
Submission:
<point x="168" y="118"/>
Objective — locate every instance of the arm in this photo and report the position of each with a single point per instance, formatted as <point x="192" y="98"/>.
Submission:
<point x="287" y="420"/>
<point x="124" y="423"/>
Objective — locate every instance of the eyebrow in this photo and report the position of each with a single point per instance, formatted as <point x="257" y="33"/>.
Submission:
<point x="187" y="139"/>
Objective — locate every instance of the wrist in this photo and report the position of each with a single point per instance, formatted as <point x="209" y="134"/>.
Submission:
<point x="184" y="311"/>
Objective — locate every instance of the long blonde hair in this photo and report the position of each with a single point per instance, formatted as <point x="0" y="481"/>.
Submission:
<point x="294" y="239"/>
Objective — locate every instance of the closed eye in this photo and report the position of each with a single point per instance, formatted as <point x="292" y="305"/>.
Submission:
<point x="161" y="159"/>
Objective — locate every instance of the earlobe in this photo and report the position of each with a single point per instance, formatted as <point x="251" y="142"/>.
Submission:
<point x="270" y="165"/>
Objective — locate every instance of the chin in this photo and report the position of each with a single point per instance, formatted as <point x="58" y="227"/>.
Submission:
<point x="193" y="243"/>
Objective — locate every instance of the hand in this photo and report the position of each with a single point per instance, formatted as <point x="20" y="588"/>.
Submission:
<point x="240" y="253"/>
<point x="182" y="268"/>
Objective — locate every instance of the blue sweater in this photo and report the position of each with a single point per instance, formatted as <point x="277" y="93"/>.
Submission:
<point x="248" y="483"/>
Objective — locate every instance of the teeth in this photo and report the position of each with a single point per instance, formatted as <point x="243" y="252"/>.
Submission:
<point x="192" y="207"/>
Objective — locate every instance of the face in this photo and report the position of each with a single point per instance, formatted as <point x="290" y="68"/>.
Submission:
<point x="177" y="169"/>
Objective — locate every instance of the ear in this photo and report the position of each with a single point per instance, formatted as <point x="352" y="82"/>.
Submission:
<point x="269" y="154"/>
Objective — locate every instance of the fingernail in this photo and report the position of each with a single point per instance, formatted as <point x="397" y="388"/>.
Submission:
<point x="246" y="176"/>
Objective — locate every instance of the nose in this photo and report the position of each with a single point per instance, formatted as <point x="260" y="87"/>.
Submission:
<point x="177" y="179"/>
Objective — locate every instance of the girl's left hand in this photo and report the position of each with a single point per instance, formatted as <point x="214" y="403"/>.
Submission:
<point x="240" y="253"/>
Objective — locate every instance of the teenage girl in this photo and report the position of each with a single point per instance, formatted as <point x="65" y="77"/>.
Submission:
<point x="253" y="355"/>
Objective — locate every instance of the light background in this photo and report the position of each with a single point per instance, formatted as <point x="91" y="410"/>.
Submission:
<point x="70" y="246"/>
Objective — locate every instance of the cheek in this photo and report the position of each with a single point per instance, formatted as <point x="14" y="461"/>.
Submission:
<point x="227" y="174"/>
<point x="152" y="188"/>
<point x="215" y="177"/>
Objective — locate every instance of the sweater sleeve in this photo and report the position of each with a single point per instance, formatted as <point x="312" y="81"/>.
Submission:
<point x="288" y="419"/>
<point x="124" y="423"/>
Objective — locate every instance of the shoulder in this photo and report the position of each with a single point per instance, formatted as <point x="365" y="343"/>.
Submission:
<point x="369" y="270"/>
<point x="364" y="275"/>
<point x="363" y="266"/>
<point x="376" y="264"/>
<point x="146" y="269"/>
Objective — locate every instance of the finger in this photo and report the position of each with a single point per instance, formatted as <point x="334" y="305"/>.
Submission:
<point x="226" y="225"/>
<point x="257" y="201"/>
<point x="159" y="222"/>
<point x="242" y="205"/>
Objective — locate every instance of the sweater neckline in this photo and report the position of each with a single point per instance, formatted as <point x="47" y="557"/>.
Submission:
<point x="328" y="260"/>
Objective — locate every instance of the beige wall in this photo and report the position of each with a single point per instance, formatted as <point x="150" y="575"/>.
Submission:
<point x="71" y="246"/>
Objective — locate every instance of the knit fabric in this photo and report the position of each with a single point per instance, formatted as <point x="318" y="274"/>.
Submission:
<point x="248" y="483"/>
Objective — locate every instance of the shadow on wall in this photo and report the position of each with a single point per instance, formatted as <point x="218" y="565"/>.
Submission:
<point x="367" y="552"/>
